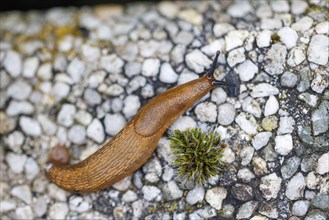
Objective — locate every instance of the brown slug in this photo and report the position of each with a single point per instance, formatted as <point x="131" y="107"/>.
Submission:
<point x="134" y="144"/>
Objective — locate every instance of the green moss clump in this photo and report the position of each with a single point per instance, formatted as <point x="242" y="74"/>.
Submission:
<point x="197" y="155"/>
<point x="275" y="38"/>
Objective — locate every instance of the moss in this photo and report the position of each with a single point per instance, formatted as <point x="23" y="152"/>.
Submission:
<point x="275" y="38"/>
<point x="197" y="155"/>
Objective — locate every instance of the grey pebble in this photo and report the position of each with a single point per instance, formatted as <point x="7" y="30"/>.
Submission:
<point x="275" y="59"/>
<point x="171" y="191"/>
<point x="295" y="187"/>
<point x="242" y="192"/>
<point x="77" y="134"/>
<point x="320" y="118"/>
<point x="300" y="207"/>
<point x="270" y="186"/>
<point x="92" y="97"/>
<point x="321" y="201"/>
<point x="290" y="167"/>
<point x="289" y="79"/>
<point x="246" y="210"/>
<point x="195" y="195"/>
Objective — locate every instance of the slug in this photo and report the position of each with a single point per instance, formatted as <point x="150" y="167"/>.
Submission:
<point x="134" y="144"/>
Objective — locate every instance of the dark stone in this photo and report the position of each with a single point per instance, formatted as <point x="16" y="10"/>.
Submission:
<point x="242" y="192"/>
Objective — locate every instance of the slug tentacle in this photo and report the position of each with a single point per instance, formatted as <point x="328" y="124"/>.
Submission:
<point x="135" y="143"/>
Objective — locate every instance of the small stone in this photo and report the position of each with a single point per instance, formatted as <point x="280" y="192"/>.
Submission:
<point x="206" y="112"/>
<point x="236" y="56"/>
<point x="132" y="69"/>
<point x="320" y="81"/>
<point x="321" y="201"/>
<point x="168" y="9"/>
<point x="167" y="74"/>
<point x="316" y="215"/>
<point x="131" y="105"/>
<point x="251" y="106"/>
<point x="259" y="166"/>
<point x="271" y="106"/>
<point x="245" y="175"/>
<point x="45" y="72"/>
<point x="30" y="67"/>
<point x="30" y="126"/>
<point x="320" y="118"/>
<point x="270" y="123"/>
<point x="83" y="117"/>
<point x="195" y="195"/>
<point x="318" y="49"/>
<point x="112" y="64"/>
<point x="275" y="59"/>
<point x="263" y="38"/>
<point x="226" y="114"/>
<point x="150" y="67"/>
<point x="322" y="27"/>
<point x="247" y="123"/>
<point x="261" y="139"/>
<point x="24" y="212"/>
<point x="7" y="205"/>
<point x="290" y="167"/>
<point x="286" y="125"/>
<point x="76" y="70"/>
<point x="242" y="192"/>
<point x="215" y="197"/>
<point x="222" y="28"/>
<point x="218" y="95"/>
<point x="19" y="90"/>
<point x="283" y="144"/>
<point x="123" y="184"/>
<point x="298" y="7"/>
<point x="90" y="53"/>
<point x="92" y="97"/>
<point x="177" y="54"/>
<point x="300" y="207"/>
<point x="190" y="15"/>
<point x="280" y="6"/>
<point x="289" y="80"/>
<point x="239" y="9"/>
<point x="171" y="191"/>
<point x="309" y="162"/>
<point x="31" y="168"/>
<point x="295" y="187"/>
<point x="183" y="123"/>
<point x="197" y="61"/>
<point x="311" y="100"/>
<point x="246" y="210"/>
<point x="16" y="162"/>
<point x="95" y="131"/>
<point x="114" y="123"/>
<point x="228" y="156"/>
<point x="19" y="107"/>
<point x="151" y="193"/>
<point x="270" y="24"/>
<point x="114" y="90"/>
<point x="305" y="80"/>
<point x="77" y="134"/>
<point x="304" y="24"/>
<point x="263" y="90"/>
<point x="61" y="90"/>
<point x="270" y="186"/>
<point x="183" y="37"/>
<point x="22" y="192"/>
<point x="247" y="70"/>
<point x="323" y="164"/>
<point x="66" y="115"/>
<point x="296" y="56"/>
<point x="58" y="211"/>
<point x="186" y="77"/>
<point x="129" y="196"/>
<point x="15" y="140"/>
<point x="288" y="36"/>
<point x="13" y="63"/>
<point x="246" y="155"/>
<point x="312" y="182"/>
<point x="40" y="206"/>
<point x="153" y="170"/>
<point x="235" y="38"/>
<point x="78" y="204"/>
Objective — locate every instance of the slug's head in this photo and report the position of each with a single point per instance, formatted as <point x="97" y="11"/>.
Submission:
<point x="232" y="80"/>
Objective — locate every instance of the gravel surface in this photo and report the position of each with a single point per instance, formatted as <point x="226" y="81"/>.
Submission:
<point x="76" y="76"/>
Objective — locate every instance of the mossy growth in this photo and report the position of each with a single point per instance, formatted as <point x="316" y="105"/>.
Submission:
<point x="275" y="38"/>
<point x="197" y="155"/>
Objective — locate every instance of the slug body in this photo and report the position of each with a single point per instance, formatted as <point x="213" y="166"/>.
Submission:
<point x="135" y="143"/>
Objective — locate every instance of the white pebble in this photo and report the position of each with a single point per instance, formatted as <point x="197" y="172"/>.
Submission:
<point x="228" y="156"/>
<point x="77" y="134"/>
<point x="288" y="36"/>
<point x="304" y="24"/>
<point x="24" y="212"/>
<point x="261" y="139"/>
<point x="131" y="105"/>
<point x="239" y="9"/>
<point x="19" y="90"/>
<point x="295" y="187"/>
<point x="280" y="6"/>
<point x="48" y="126"/>
<point x="150" y="67"/>
<point x="76" y="70"/>
<point x="206" y="112"/>
<point x="247" y="70"/>
<point x="183" y="123"/>
<point x="23" y="192"/>
<point x="270" y="23"/>
<point x="283" y="144"/>
<point x="195" y="195"/>
<point x="222" y="28"/>
<point x="129" y="196"/>
<point x="112" y="63"/>
<point x="286" y="125"/>
<point x="95" y="131"/>
<point x="151" y="193"/>
<point x="236" y="56"/>
<point x="263" y="38"/>
<point x="7" y="205"/>
<point x="66" y="115"/>
<point x="263" y="90"/>
<point x="271" y="106"/>
<point x="123" y="185"/>
<point x="58" y="210"/>
<point x="296" y="56"/>
<point x="251" y="106"/>
<point x="318" y="49"/>
<point x="323" y="164"/>
<point x="270" y="186"/>
<point x="235" y="38"/>
<point x="226" y="114"/>
<point x="197" y="61"/>
<point x="114" y="90"/>
<point x="60" y="90"/>
<point x="45" y="72"/>
<point x="31" y="168"/>
<point x="16" y="162"/>
<point x="30" y="126"/>
<point x="215" y="197"/>
<point x="322" y="27"/>
<point x="13" y="63"/>
<point x="30" y="67"/>
<point x="78" y="204"/>
<point x="247" y="123"/>
<point x="15" y="141"/>
<point x="218" y="95"/>
<point x="298" y="6"/>
<point x="19" y="107"/>
<point x="167" y="74"/>
<point x="114" y="123"/>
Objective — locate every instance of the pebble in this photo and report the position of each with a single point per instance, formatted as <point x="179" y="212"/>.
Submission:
<point x="114" y="123"/>
<point x="275" y="59"/>
<point x="30" y="126"/>
<point x="215" y="197"/>
<point x="239" y="9"/>
<point x="300" y="207"/>
<point x="90" y="53"/>
<point x="322" y="27"/>
<point x="271" y="106"/>
<point x="247" y="70"/>
<point x="304" y="24"/>
<point x="111" y="63"/>
<point x="235" y="38"/>
<point x="288" y="36"/>
<point x="304" y="80"/>
<point x="226" y="114"/>
<point x="16" y="162"/>
<point x="186" y="77"/>
<point x="286" y="125"/>
<point x="312" y="182"/>
<point x="183" y="37"/>
<point x="22" y="192"/>
<point x="183" y="123"/>
<point x="7" y="205"/>
<point x="177" y="54"/>
<point x="309" y="99"/>
<point x="206" y="112"/>
<point x="95" y="131"/>
<point x="131" y="105"/>
<point x="13" y="63"/>
<point x="218" y="95"/>
<point x="77" y="134"/>
<point x="129" y="196"/>
<point x="263" y="90"/>
<point x="151" y="193"/>
<point x="270" y="24"/>
<point x="320" y="118"/>
<point x="270" y="186"/>
<point x="168" y="9"/>
<point x="228" y="156"/>
<point x="321" y="201"/>
<point x="152" y="170"/>
<point x="133" y="69"/>
<point x="323" y="164"/>
<point x="295" y="187"/>
<point x="246" y="155"/>
<point x="123" y="185"/>
<point x="259" y="166"/>
<point x="296" y="56"/>
<point x="76" y="70"/>
<point x="167" y="74"/>
<point x="245" y="175"/>
<point x="171" y="191"/>
<point x="39" y="206"/>
<point x="60" y="90"/>
<point x="19" y="107"/>
<point x="246" y="210"/>
<point x="289" y="80"/>
<point x="318" y="49"/>
<point x="261" y="139"/>
<point x="263" y="38"/>
<point x="19" y="90"/>
<point x="316" y="214"/>
<point x="190" y="15"/>
<point x="58" y="210"/>
<point x="24" y="212"/>
<point x="30" y="67"/>
<point x="290" y="167"/>
<point x="78" y="204"/>
<point x="114" y="90"/>
<point x="242" y="192"/>
<point x="221" y="29"/>
<point x="298" y="7"/>
<point x="251" y="106"/>
<point x="320" y="81"/>
<point x="247" y="123"/>
<point x="15" y="140"/>
<point x="31" y="168"/>
<point x="236" y="56"/>
<point x="45" y="72"/>
<point x="283" y="144"/>
<point x="150" y="67"/>
<point x="92" y="97"/>
<point x="197" y="61"/>
<point x="195" y="195"/>
<point x="66" y="115"/>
